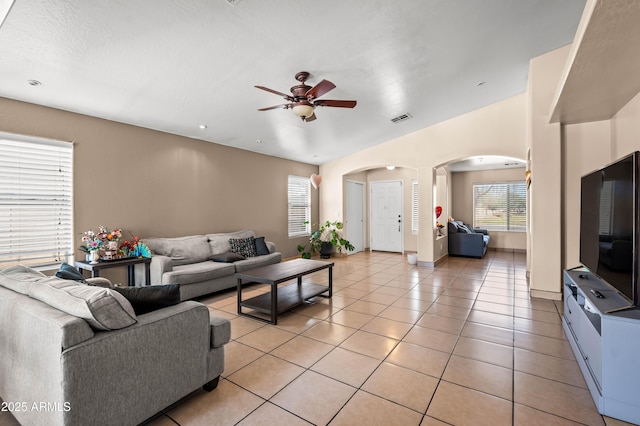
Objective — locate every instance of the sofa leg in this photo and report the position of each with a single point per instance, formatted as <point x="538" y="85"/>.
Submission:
<point x="211" y="385"/>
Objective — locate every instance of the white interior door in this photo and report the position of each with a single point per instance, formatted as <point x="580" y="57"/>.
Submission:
<point x="387" y="223"/>
<point x="355" y="215"/>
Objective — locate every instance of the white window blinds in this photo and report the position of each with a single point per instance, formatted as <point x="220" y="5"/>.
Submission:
<point x="299" y="211"/>
<point x="36" y="200"/>
<point x="500" y="206"/>
<point x="414" y="207"/>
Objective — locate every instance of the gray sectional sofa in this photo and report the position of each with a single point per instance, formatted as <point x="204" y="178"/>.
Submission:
<point x="467" y="241"/>
<point x="73" y="354"/>
<point x="200" y="263"/>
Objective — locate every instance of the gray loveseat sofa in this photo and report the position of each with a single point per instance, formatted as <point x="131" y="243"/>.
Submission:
<point x="58" y="368"/>
<point x="188" y="261"/>
<point x="467" y="241"/>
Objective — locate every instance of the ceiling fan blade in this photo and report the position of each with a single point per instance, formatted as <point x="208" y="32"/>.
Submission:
<point x="310" y="118"/>
<point x="281" y="106"/>
<point x="320" y="89"/>
<point x="275" y="92"/>
<point x="334" y="103"/>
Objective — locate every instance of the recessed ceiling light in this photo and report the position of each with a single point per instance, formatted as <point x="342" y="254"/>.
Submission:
<point x="34" y="82"/>
<point x="391" y="167"/>
<point x="203" y="126"/>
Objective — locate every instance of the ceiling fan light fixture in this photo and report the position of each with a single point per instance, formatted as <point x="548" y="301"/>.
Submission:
<point x="302" y="110"/>
<point x="304" y="99"/>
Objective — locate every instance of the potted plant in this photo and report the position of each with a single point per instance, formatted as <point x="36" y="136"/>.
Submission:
<point x="324" y="239"/>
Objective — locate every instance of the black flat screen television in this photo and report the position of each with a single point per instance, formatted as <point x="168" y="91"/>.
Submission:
<point x="609" y="225"/>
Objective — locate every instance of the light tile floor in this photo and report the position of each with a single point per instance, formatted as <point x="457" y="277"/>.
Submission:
<point x="461" y="343"/>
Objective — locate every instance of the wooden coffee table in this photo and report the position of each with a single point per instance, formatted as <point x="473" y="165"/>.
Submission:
<point x="284" y="298"/>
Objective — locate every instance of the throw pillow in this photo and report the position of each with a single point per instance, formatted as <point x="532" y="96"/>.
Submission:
<point x="261" y="247"/>
<point x="102" y="308"/>
<point x="68" y="272"/>
<point x="463" y="228"/>
<point x="151" y="298"/>
<point x="243" y="246"/>
<point x="227" y="257"/>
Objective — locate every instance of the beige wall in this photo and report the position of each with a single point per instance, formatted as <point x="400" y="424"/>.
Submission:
<point x="157" y="184"/>
<point x="462" y="202"/>
<point x="587" y="147"/>
<point x="545" y="193"/>
<point x="497" y="129"/>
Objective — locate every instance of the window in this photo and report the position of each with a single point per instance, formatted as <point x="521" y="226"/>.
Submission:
<point x="36" y="206"/>
<point x="299" y="206"/>
<point x="500" y="206"/>
<point x="414" y="207"/>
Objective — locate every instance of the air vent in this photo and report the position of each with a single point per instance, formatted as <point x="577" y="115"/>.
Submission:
<point x="402" y="117"/>
<point x="512" y="164"/>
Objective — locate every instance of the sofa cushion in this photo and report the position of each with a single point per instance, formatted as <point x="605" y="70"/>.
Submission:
<point x="68" y="272"/>
<point x="181" y="250"/>
<point x="261" y="246"/>
<point x="227" y="257"/>
<point x="102" y="308"/>
<point x="257" y="261"/>
<point x="197" y="272"/>
<point x="243" y="246"/>
<point x="150" y="298"/>
<point x="20" y="278"/>
<point x="452" y="227"/>
<point x="219" y="243"/>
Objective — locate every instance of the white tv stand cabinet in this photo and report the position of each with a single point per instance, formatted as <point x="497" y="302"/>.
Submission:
<point x="606" y="343"/>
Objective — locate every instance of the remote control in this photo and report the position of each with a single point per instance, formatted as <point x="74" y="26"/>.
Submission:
<point x="597" y="294"/>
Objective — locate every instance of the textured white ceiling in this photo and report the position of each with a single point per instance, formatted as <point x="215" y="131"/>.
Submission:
<point x="172" y="65"/>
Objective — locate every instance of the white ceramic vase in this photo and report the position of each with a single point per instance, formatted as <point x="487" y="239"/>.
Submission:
<point x="94" y="257"/>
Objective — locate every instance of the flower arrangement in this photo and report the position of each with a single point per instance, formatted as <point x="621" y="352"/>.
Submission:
<point x="91" y="241"/>
<point x="111" y="242"/>
<point x="135" y="248"/>
<point x="106" y="235"/>
<point x="129" y="246"/>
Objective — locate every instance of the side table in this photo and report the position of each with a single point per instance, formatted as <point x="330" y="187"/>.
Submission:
<point x="130" y="263"/>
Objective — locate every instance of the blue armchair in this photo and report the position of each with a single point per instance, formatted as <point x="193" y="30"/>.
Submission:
<point x="467" y="241"/>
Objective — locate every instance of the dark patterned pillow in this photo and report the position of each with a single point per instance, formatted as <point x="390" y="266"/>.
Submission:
<point x="243" y="246"/>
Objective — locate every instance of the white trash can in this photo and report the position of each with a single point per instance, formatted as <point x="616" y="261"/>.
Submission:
<point x="412" y="259"/>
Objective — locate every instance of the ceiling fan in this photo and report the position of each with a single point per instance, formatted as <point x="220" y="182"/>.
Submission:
<point x="304" y="99"/>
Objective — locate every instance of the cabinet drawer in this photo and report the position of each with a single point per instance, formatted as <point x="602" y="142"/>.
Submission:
<point x="571" y="314"/>
<point x="590" y="343"/>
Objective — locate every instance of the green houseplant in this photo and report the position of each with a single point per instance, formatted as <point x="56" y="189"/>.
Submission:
<point x="324" y="239"/>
